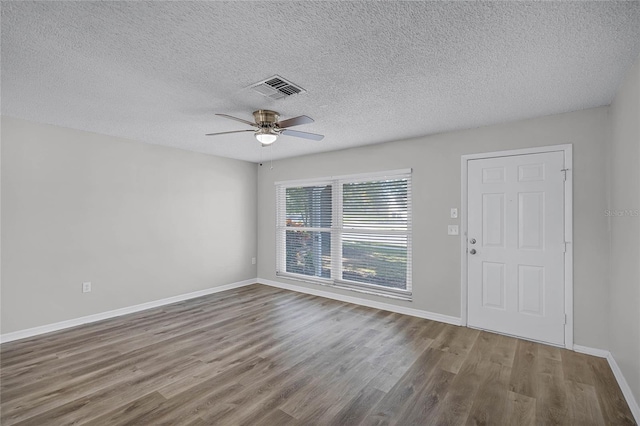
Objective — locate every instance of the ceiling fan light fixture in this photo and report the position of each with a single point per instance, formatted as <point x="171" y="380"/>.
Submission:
<point x="266" y="136"/>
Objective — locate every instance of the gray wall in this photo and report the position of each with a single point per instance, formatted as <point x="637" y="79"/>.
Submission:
<point x="141" y="222"/>
<point x="436" y="184"/>
<point x="624" y="340"/>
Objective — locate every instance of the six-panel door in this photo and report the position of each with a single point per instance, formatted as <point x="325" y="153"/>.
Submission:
<point x="516" y="217"/>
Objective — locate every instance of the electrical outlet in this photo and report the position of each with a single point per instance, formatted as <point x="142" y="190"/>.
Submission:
<point x="86" y="287"/>
<point x="452" y="230"/>
<point x="454" y="213"/>
<point x="253" y="260"/>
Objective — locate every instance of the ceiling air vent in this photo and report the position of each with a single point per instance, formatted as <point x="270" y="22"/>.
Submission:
<point x="277" y="87"/>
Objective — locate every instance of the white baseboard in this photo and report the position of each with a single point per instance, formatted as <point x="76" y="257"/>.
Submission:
<point x="30" y="332"/>
<point x="600" y="353"/>
<point x="622" y="382"/>
<point x="624" y="386"/>
<point x="364" y="302"/>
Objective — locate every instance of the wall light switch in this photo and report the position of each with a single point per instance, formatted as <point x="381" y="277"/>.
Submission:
<point x="86" y="287"/>
<point x="454" y="213"/>
<point x="453" y="230"/>
<point x="253" y="260"/>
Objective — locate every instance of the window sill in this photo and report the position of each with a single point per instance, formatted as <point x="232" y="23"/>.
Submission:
<point x="397" y="295"/>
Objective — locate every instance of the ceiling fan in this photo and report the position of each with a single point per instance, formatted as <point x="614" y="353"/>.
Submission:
<point x="268" y="128"/>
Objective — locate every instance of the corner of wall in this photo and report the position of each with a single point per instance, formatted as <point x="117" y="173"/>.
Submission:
<point x="623" y="199"/>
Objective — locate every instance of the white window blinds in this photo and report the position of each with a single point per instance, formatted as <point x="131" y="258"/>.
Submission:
<point x="350" y="231"/>
<point x="305" y="230"/>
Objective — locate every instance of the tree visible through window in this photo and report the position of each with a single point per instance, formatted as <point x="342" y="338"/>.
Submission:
<point x="374" y="232"/>
<point x="353" y="232"/>
<point x="308" y="231"/>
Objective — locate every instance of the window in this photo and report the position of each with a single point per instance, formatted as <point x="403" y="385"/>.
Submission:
<point x="307" y="231"/>
<point x="349" y="231"/>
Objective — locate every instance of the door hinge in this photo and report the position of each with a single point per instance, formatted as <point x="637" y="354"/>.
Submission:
<point x="565" y="173"/>
<point x="565" y="319"/>
<point x="564" y="247"/>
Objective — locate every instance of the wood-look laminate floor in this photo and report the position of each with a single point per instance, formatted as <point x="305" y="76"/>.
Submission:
<point x="263" y="356"/>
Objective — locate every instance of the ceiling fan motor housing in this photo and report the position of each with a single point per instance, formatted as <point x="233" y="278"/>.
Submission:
<point x="265" y="117"/>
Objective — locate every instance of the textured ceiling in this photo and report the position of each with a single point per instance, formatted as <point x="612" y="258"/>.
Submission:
<point x="373" y="71"/>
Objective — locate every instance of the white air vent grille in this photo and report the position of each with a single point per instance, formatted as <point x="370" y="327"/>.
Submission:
<point x="277" y="87"/>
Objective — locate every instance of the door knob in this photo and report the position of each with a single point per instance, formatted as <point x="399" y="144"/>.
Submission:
<point x="472" y="251"/>
<point x="472" y="241"/>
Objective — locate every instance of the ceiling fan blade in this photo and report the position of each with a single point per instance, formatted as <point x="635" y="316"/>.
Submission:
<point x="226" y="133"/>
<point x="305" y="135"/>
<point x="238" y="119"/>
<point x="295" y="121"/>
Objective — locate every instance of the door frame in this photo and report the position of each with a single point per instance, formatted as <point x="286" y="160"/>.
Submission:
<point x="567" y="149"/>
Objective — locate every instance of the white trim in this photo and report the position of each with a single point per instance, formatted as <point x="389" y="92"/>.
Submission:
<point x="346" y="285"/>
<point x="624" y="387"/>
<point x="568" y="209"/>
<point x="600" y="353"/>
<point x="325" y="179"/>
<point x="615" y="368"/>
<point x="568" y="238"/>
<point x="309" y="279"/>
<point x="522" y="151"/>
<point x="463" y="241"/>
<point x="373" y="288"/>
<point x="48" y="328"/>
<point x="364" y="302"/>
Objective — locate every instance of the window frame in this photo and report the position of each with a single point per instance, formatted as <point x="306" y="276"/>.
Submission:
<point x="337" y="230"/>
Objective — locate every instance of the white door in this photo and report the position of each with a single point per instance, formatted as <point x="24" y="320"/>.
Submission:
<point x="516" y="245"/>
